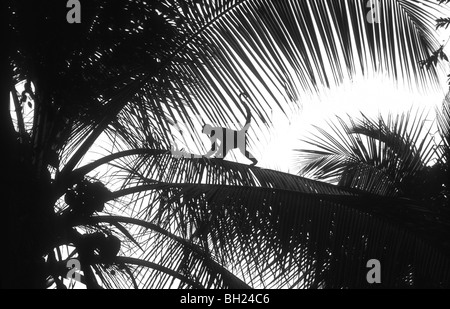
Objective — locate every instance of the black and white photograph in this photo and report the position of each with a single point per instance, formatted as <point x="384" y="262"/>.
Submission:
<point x="223" y="151"/>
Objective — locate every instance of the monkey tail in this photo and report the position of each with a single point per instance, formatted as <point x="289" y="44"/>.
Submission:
<point x="247" y="110"/>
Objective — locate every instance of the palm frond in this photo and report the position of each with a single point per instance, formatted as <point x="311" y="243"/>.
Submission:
<point x="378" y="156"/>
<point x="264" y="226"/>
<point x="243" y="46"/>
<point x="164" y="251"/>
<point x="281" y="238"/>
<point x="193" y="60"/>
<point x="443" y="121"/>
<point x="266" y="49"/>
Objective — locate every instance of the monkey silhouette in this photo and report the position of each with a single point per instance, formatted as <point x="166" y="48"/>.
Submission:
<point x="223" y="139"/>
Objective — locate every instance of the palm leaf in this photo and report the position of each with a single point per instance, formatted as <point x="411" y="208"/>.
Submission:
<point x="378" y="156"/>
<point x="246" y="45"/>
<point x="443" y="121"/>
<point x="277" y="230"/>
<point x="182" y="256"/>
<point x="274" y="237"/>
<point x="224" y="48"/>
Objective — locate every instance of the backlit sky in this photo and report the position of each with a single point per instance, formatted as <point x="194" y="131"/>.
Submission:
<point x="370" y="95"/>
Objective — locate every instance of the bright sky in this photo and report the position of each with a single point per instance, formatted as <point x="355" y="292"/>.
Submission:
<point x="368" y="95"/>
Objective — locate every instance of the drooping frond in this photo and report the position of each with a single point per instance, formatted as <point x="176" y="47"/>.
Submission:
<point x="277" y="230"/>
<point x="167" y="260"/>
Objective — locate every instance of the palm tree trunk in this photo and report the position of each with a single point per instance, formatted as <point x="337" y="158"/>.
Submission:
<point x="26" y="206"/>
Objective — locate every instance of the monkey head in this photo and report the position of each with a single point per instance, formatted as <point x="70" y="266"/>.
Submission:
<point x="207" y="129"/>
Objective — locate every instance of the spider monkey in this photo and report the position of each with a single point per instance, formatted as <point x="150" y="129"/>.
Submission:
<point x="229" y="139"/>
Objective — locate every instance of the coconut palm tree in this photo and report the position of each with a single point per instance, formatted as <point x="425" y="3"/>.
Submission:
<point x="126" y="77"/>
